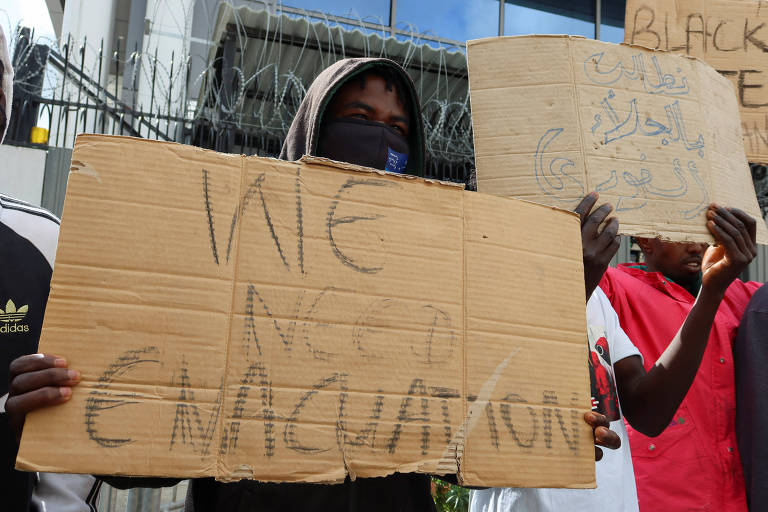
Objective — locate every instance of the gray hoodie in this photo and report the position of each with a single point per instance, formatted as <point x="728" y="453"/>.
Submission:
<point x="303" y="135"/>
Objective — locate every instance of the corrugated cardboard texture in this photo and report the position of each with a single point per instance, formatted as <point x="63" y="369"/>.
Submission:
<point x="294" y="321"/>
<point x="658" y="135"/>
<point x="730" y="35"/>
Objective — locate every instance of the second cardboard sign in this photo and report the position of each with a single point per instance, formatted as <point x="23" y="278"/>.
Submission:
<point x="657" y="135"/>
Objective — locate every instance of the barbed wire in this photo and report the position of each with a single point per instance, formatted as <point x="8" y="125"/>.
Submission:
<point x="267" y="89"/>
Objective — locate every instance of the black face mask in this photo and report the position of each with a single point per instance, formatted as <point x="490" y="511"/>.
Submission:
<point x="366" y="143"/>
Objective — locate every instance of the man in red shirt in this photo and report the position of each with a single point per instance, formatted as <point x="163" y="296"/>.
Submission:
<point x="694" y="464"/>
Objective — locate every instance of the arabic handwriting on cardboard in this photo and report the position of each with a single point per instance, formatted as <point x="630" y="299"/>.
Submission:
<point x="617" y="122"/>
<point x="730" y="36"/>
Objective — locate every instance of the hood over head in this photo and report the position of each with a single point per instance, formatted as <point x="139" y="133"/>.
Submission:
<point x="303" y="135"/>
<point x="7" y="81"/>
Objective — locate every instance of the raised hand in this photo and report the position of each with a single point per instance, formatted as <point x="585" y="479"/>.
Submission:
<point x="598" y="247"/>
<point x="735" y="233"/>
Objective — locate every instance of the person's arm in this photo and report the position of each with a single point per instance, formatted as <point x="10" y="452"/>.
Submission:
<point x="650" y="400"/>
<point x="750" y="358"/>
<point x="598" y="247"/>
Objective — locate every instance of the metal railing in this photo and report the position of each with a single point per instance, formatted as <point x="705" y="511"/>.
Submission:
<point x="168" y="499"/>
<point x="89" y="97"/>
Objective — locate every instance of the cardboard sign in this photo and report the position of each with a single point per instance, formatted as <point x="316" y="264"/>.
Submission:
<point x="656" y="134"/>
<point x="730" y="35"/>
<point x="298" y="321"/>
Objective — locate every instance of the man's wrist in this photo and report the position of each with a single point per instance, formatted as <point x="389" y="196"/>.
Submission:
<point x="711" y="292"/>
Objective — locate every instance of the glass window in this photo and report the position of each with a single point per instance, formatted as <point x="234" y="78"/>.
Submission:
<point x="612" y="14"/>
<point x="611" y="34"/>
<point x="419" y="39"/>
<point x="372" y="11"/>
<point x="459" y="20"/>
<point x="519" y="20"/>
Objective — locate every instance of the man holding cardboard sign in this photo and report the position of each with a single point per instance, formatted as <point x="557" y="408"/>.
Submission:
<point x="656" y="134"/>
<point x="652" y="300"/>
<point x="648" y="400"/>
<point x="38" y="381"/>
<point x="369" y="108"/>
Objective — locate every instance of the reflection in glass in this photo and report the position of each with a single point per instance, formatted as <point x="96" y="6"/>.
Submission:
<point x="459" y="20"/>
<point x="372" y="11"/>
<point x="520" y="20"/>
<point x="611" y="34"/>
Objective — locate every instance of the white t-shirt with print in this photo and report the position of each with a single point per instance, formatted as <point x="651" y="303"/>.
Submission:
<point x="616" y="489"/>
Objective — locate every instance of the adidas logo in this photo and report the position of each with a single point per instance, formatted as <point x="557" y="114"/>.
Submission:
<point x="11" y="316"/>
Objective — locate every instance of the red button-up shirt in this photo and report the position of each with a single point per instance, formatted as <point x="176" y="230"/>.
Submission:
<point x="694" y="464"/>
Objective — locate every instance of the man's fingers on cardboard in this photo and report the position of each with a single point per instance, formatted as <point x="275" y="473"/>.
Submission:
<point x="723" y="238"/>
<point x="37" y="399"/>
<point x="589" y="228"/>
<point x="735" y="227"/>
<point x="615" y="243"/>
<point x="727" y="215"/>
<point x="35" y="362"/>
<point x="750" y="225"/>
<point x="30" y="381"/>
<point x="737" y="232"/>
<point x="595" y="419"/>
<point x="741" y="222"/>
<point x="607" y="438"/>
<point x="740" y="249"/>
<point x="586" y="205"/>
<point x="608" y="251"/>
<point x="608" y="235"/>
<point x="612" y="227"/>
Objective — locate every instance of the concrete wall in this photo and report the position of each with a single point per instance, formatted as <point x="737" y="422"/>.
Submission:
<point x="22" y="172"/>
<point x="57" y="166"/>
<point x="91" y="20"/>
<point x="170" y="27"/>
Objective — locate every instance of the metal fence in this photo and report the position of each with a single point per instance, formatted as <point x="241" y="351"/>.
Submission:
<point x="80" y="89"/>
<point x="82" y="103"/>
<point x="170" y="499"/>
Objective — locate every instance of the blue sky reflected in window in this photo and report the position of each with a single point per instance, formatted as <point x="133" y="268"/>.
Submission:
<point x="459" y="20"/>
<point x="611" y="34"/>
<point x="520" y="20"/>
<point x="372" y="11"/>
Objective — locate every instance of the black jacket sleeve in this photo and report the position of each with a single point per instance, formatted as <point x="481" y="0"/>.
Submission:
<point x="751" y="360"/>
